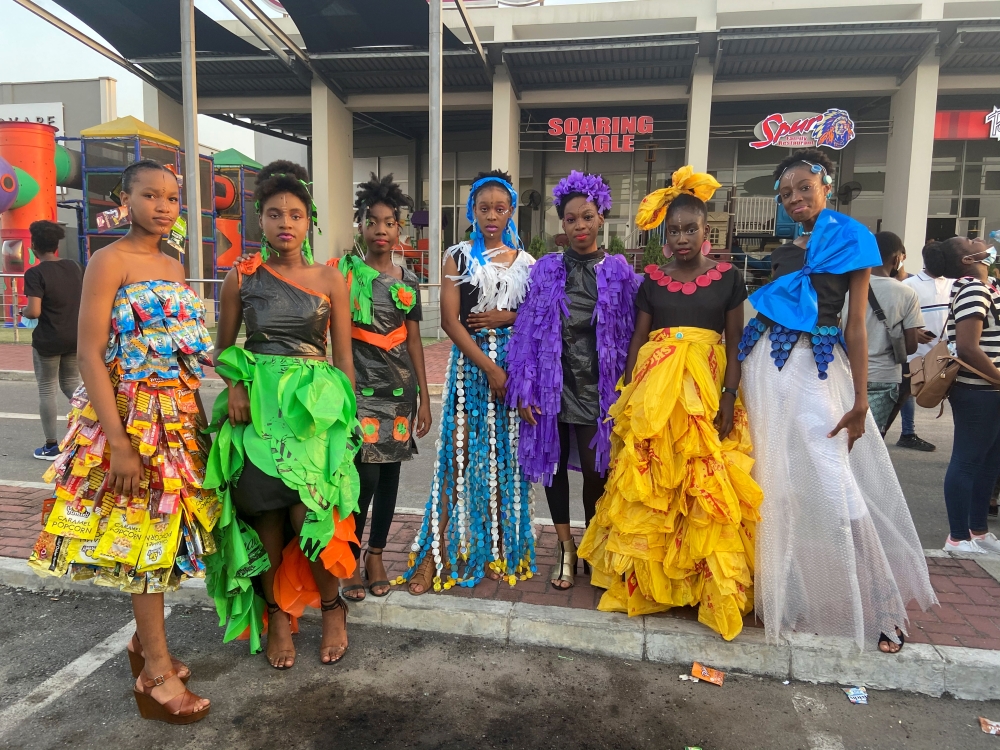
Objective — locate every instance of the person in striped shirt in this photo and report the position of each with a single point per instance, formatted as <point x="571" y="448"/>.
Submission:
<point x="973" y="331"/>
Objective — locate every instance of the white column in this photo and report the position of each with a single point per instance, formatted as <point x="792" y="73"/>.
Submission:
<point x="332" y="173"/>
<point x="109" y="98"/>
<point x="506" y="127"/>
<point x="908" y="162"/>
<point x="699" y="114"/>
<point x="162" y="112"/>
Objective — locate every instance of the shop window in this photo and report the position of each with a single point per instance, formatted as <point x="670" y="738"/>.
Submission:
<point x="945" y="179"/>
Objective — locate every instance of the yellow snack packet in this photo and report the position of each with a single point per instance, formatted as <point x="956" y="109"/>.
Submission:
<point x="160" y="547"/>
<point x="84" y="552"/>
<point x="49" y="556"/>
<point x="203" y="505"/>
<point x="122" y="541"/>
<point x="73" y="520"/>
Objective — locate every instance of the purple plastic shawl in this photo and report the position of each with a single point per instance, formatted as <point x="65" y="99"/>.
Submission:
<point x="534" y="366"/>
<point x="534" y="357"/>
<point x="617" y="285"/>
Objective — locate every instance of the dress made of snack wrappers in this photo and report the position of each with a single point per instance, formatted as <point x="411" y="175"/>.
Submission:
<point x="675" y="526"/>
<point x="149" y="542"/>
<point x="303" y="431"/>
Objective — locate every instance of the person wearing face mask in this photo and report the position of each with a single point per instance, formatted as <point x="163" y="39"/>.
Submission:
<point x="900" y="318"/>
<point x="973" y="331"/>
<point x="566" y="355"/>
<point x="837" y="553"/>
<point x="675" y="526"/>
<point x="477" y="521"/>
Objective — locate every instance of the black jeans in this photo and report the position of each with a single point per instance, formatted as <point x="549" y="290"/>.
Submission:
<point x="593" y="482"/>
<point x="381" y="482"/>
<point x="975" y="459"/>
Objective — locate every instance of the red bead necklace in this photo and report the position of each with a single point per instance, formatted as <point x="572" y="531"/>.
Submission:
<point x="686" y="287"/>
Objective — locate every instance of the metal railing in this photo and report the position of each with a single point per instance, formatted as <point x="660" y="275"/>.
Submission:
<point x="754" y="215"/>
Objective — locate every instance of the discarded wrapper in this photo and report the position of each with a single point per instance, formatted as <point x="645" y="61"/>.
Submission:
<point x="708" y="674"/>
<point x="688" y="678"/>
<point x="990" y="727"/>
<point x="857" y="695"/>
<point x="691" y="747"/>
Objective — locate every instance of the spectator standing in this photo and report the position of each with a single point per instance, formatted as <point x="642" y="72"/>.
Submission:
<point x="53" y="289"/>
<point x="973" y="331"/>
<point x="934" y="293"/>
<point x="901" y="319"/>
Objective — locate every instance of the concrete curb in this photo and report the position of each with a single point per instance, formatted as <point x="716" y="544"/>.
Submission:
<point x="966" y="673"/>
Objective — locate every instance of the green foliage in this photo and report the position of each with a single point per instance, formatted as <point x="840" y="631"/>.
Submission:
<point x="653" y="253"/>
<point x="616" y="246"/>
<point x="538" y="247"/>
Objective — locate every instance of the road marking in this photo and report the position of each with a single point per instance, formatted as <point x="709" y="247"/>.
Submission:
<point x="807" y="708"/>
<point x="68" y="677"/>
<point x="16" y="415"/>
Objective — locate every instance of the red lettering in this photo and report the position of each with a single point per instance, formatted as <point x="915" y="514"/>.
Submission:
<point x="571" y="143"/>
<point x="571" y="126"/>
<point x="586" y="143"/>
<point x="769" y="126"/>
<point x="604" y="125"/>
<point x="628" y="143"/>
<point x="645" y="125"/>
<point x="555" y="126"/>
<point x="614" y="124"/>
<point x="587" y="125"/>
<point x="616" y="146"/>
<point x="602" y="143"/>
<point x="628" y="125"/>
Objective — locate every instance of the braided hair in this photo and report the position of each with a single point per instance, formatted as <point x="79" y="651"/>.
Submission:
<point x="380" y="191"/>
<point x="283" y="176"/>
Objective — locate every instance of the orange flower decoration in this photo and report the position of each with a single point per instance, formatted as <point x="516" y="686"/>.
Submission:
<point x="401" y="429"/>
<point x="369" y="429"/>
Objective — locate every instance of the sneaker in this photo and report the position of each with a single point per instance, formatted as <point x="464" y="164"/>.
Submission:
<point x="966" y="545"/>
<point x="988" y="543"/>
<point x="917" y="444"/>
<point x="47" y="452"/>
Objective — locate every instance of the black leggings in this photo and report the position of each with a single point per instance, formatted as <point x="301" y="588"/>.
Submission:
<point x="593" y="482"/>
<point x="380" y="481"/>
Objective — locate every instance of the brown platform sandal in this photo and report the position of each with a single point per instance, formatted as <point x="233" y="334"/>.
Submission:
<point x="273" y="609"/>
<point x="137" y="660"/>
<point x="337" y="603"/>
<point x="178" y="710"/>
<point x="423" y="576"/>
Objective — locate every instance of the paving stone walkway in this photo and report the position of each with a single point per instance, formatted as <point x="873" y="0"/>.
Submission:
<point x="969" y="614"/>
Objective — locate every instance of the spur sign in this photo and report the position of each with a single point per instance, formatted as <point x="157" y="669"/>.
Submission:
<point x="833" y="129"/>
<point x="600" y="134"/>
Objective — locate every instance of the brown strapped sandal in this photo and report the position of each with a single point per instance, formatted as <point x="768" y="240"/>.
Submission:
<point x="137" y="660"/>
<point x="181" y="709"/>
<point x="337" y="603"/>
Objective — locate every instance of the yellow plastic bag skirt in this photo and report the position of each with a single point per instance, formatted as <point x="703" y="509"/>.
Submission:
<point x="675" y="525"/>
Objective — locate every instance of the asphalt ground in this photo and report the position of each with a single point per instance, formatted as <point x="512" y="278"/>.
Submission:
<point x="404" y="689"/>
<point x="920" y="474"/>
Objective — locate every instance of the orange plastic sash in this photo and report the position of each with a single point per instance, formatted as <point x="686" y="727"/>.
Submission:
<point x="389" y="341"/>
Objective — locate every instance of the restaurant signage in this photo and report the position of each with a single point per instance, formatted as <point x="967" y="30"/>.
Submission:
<point x="600" y="134"/>
<point x="967" y="125"/>
<point x="833" y="129"/>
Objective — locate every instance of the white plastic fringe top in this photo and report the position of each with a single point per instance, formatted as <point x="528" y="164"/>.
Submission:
<point x="501" y="287"/>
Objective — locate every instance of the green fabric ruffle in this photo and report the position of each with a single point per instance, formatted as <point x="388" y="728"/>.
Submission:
<point x="362" y="275"/>
<point x="304" y="431"/>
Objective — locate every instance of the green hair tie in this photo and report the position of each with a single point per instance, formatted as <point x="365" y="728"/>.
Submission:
<point x="307" y="252"/>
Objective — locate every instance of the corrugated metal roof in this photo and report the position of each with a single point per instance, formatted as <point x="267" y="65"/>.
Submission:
<point x="979" y="51"/>
<point x="243" y="75"/>
<point x="368" y="72"/>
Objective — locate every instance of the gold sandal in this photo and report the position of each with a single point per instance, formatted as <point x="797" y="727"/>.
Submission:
<point x="565" y="569"/>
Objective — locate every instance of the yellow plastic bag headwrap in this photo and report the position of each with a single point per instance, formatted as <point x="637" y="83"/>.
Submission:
<point x="653" y="208"/>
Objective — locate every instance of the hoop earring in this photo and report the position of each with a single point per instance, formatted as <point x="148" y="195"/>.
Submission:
<point x="667" y="252"/>
<point x="706" y="247"/>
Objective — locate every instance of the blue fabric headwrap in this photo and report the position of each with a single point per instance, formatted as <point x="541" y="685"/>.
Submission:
<point x="510" y="236"/>
<point x="838" y="244"/>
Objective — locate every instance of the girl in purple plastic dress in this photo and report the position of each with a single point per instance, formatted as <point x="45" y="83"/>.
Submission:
<point x="567" y="354"/>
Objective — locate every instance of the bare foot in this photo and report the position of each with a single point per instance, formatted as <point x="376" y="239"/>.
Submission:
<point x="561" y="584"/>
<point x="353" y="588"/>
<point x="333" y="644"/>
<point x="888" y="647"/>
<point x="280" y="648"/>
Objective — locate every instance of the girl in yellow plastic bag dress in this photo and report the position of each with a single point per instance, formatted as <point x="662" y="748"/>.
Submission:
<point x="675" y="526"/>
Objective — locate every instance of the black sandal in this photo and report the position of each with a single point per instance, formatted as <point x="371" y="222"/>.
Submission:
<point x="273" y="609"/>
<point x="337" y="603"/>
<point x="883" y="638"/>
<point x="373" y="584"/>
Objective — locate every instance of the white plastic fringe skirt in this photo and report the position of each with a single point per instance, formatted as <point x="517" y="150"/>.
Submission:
<point x="837" y="553"/>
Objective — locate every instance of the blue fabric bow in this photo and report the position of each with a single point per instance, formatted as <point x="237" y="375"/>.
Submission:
<point x="838" y="244"/>
<point x="510" y="237"/>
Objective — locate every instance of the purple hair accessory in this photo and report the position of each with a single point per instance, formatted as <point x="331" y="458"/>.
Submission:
<point x="591" y="185"/>
<point x="534" y="357"/>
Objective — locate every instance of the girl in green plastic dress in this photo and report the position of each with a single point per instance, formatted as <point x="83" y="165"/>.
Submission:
<point x="287" y="433"/>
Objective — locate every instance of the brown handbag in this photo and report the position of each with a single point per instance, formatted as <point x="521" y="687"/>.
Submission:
<point x="932" y="375"/>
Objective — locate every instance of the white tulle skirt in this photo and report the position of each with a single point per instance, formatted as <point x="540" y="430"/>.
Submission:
<point x="837" y="553"/>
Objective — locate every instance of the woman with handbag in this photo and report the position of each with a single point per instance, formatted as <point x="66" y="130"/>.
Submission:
<point x="973" y="334"/>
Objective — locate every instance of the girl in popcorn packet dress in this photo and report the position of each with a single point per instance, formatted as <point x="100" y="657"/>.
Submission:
<point x="129" y="507"/>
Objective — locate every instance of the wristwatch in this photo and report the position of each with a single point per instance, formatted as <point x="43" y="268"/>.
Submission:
<point x="734" y="391"/>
